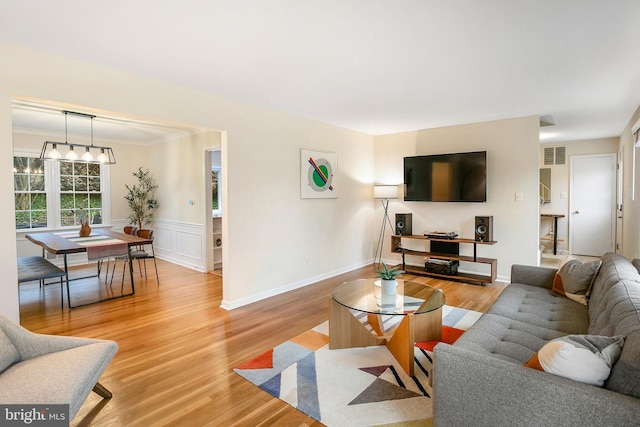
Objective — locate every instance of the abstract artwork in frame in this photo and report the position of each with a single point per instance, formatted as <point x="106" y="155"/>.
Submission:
<point x="318" y="175"/>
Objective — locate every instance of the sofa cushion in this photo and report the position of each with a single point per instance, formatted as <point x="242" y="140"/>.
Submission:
<point x="8" y="352"/>
<point x="584" y="358"/>
<point x="619" y="314"/>
<point x="614" y="268"/>
<point x="506" y="339"/>
<point x="575" y="278"/>
<point x="541" y="307"/>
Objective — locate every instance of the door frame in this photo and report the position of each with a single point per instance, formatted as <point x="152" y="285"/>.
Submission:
<point x="613" y="159"/>
<point x="208" y="224"/>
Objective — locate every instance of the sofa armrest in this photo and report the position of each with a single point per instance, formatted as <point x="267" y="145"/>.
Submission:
<point x="474" y="389"/>
<point x="533" y="275"/>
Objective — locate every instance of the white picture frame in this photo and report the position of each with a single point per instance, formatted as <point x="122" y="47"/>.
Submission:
<point x="318" y="174"/>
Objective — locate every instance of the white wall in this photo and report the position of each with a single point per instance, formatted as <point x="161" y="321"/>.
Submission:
<point x="178" y="167"/>
<point x="181" y="220"/>
<point x="560" y="178"/>
<point x="270" y="232"/>
<point x="512" y="157"/>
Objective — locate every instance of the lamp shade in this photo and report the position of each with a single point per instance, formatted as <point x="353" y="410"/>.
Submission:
<point x="385" y="191"/>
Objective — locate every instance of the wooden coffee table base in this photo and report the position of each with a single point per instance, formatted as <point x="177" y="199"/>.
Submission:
<point x="345" y="331"/>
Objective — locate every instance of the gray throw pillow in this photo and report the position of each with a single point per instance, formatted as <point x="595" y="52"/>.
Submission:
<point x="574" y="279"/>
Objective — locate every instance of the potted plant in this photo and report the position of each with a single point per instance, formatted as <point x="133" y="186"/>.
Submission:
<point x="141" y="198"/>
<point x="388" y="279"/>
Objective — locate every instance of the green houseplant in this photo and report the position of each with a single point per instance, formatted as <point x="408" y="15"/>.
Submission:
<point x="387" y="273"/>
<point x="141" y="198"/>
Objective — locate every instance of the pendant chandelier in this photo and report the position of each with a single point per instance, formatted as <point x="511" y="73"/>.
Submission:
<point x="52" y="150"/>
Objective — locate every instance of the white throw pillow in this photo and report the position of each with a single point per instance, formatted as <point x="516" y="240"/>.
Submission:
<point x="584" y="358"/>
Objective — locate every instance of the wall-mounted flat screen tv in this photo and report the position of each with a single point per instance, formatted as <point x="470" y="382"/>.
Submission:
<point x="457" y="177"/>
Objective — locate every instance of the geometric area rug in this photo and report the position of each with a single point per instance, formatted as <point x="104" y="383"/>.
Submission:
<point x="362" y="386"/>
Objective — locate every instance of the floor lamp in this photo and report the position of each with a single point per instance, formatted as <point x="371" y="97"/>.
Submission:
<point x="384" y="192"/>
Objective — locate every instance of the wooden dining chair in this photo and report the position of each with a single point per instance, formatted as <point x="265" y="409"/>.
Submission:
<point x="130" y="229"/>
<point x="145" y="252"/>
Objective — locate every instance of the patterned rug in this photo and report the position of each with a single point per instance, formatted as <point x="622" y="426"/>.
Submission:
<point x="352" y="387"/>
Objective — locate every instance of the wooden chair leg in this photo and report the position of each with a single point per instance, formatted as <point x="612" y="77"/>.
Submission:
<point x="102" y="391"/>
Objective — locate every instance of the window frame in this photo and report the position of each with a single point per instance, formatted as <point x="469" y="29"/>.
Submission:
<point x="52" y="191"/>
<point x="29" y="192"/>
<point x="217" y="212"/>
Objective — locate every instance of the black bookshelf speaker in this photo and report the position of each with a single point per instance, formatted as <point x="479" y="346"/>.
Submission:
<point x="403" y="224"/>
<point x="484" y="228"/>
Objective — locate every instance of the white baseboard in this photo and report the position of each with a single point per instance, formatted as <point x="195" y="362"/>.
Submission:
<point x="230" y="305"/>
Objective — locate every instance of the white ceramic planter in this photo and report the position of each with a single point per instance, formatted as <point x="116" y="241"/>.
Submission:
<point x="388" y="291"/>
<point x="388" y="287"/>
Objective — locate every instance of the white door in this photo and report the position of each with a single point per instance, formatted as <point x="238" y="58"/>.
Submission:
<point x="592" y="204"/>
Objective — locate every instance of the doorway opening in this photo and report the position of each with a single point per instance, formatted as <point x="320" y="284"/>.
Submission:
<point x="213" y="188"/>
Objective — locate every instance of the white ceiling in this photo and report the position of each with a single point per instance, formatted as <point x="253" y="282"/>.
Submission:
<point x="376" y="66"/>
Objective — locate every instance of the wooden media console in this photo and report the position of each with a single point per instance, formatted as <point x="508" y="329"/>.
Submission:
<point x="451" y="252"/>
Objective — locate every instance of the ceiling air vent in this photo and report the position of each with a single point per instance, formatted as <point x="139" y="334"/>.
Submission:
<point x="554" y="156"/>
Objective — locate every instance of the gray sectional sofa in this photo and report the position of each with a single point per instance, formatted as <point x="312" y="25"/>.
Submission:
<point x="481" y="379"/>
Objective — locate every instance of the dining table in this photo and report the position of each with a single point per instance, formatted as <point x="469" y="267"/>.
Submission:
<point x="101" y="244"/>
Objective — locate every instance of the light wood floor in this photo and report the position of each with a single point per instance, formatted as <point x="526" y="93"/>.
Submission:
<point x="178" y="347"/>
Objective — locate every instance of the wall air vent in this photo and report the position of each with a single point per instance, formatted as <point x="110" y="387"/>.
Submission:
<point x="554" y="156"/>
<point x="560" y="155"/>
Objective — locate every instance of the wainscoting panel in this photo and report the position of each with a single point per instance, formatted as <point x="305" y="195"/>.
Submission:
<point x="180" y="243"/>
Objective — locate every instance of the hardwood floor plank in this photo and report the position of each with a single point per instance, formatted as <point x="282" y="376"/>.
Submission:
<point x="178" y="348"/>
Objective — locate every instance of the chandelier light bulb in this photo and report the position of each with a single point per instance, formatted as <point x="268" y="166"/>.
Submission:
<point x="87" y="157"/>
<point x="54" y="154"/>
<point x="102" y="157"/>
<point x="71" y="155"/>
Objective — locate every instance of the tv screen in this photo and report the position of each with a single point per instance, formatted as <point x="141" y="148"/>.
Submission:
<point x="459" y="177"/>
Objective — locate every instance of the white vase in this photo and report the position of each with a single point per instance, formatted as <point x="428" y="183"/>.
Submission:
<point x="389" y="286"/>
<point x="388" y="291"/>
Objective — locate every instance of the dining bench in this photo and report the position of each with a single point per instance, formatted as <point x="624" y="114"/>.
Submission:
<point x="32" y="268"/>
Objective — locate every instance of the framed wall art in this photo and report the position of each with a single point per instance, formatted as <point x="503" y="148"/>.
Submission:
<point x="318" y="175"/>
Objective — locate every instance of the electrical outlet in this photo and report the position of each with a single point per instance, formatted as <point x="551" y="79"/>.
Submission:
<point x="519" y="196"/>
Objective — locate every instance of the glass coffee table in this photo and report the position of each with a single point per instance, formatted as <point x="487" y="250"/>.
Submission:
<point x="418" y="309"/>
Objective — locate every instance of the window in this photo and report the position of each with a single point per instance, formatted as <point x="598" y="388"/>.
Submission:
<point x="216" y="196"/>
<point x="80" y="193"/>
<point x="30" y="194"/>
<point x="59" y="194"/>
